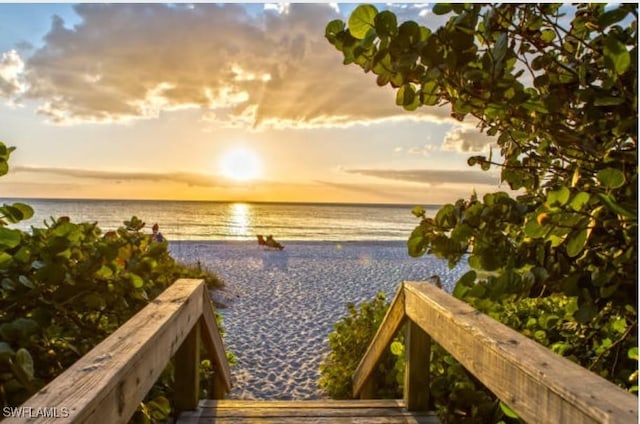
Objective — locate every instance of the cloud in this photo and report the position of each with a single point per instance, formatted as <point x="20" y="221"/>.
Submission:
<point x="467" y="139"/>
<point x="422" y="150"/>
<point x="430" y="176"/>
<point x="267" y="68"/>
<point x="191" y="179"/>
<point x="11" y="68"/>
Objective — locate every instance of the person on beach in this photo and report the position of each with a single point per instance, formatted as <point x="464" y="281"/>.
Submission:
<point x="271" y="242"/>
<point x="157" y="235"/>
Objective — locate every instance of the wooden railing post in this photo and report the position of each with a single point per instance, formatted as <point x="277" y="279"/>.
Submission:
<point x="187" y="372"/>
<point x="368" y="389"/>
<point x="416" y="375"/>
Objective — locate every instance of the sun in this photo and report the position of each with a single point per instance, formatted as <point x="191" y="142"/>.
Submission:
<point x="240" y="164"/>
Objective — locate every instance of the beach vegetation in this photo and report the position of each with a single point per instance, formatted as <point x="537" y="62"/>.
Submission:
<point x="65" y="286"/>
<point x="348" y="343"/>
<point x="554" y="89"/>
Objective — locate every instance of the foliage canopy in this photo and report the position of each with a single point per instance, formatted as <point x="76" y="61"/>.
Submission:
<point x="556" y="86"/>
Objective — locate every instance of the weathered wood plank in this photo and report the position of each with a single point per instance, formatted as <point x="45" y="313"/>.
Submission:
<point x="265" y="411"/>
<point x="316" y="411"/>
<point x="416" y="375"/>
<point x="391" y="323"/>
<point x="540" y="386"/>
<point x="215" y="348"/>
<point x="313" y="420"/>
<point x="306" y="404"/>
<point x="187" y="372"/>
<point x="107" y="384"/>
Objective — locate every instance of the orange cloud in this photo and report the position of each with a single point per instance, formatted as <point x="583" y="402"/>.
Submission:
<point x="268" y="69"/>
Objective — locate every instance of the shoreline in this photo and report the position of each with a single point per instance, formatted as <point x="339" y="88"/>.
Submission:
<point x="282" y="305"/>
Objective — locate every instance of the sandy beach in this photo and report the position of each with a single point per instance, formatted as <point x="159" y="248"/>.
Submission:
<point x="282" y="305"/>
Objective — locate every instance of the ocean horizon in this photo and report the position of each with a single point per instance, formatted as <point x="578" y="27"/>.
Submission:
<point x="201" y="220"/>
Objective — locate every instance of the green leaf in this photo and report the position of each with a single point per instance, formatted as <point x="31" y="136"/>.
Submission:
<point x="5" y="259"/>
<point x="558" y="197"/>
<point x="386" y="24"/>
<point x="25" y="210"/>
<point x="576" y="242"/>
<point x="616" y="55"/>
<point x="405" y="95"/>
<point x="579" y="201"/>
<point x="445" y="216"/>
<point x="397" y="348"/>
<point x="26" y="282"/>
<point x="333" y="28"/>
<point x="547" y="35"/>
<point x="611" y="17"/>
<point x="418" y="211"/>
<point x="104" y="272"/>
<point x="475" y="262"/>
<point x="94" y="301"/>
<point x="500" y="48"/>
<point x="25" y="361"/>
<point x="464" y="284"/>
<point x="417" y="243"/>
<point x="611" y="177"/>
<point x="619" y="325"/>
<point x="160" y="408"/>
<point x="362" y="20"/>
<point x="633" y="353"/>
<point x="10" y="238"/>
<point x="535" y="106"/>
<point x="136" y="281"/>
<point x="533" y="229"/>
<point x="614" y="206"/>
<point x="8" y="284"/>
<point x="23" y="255"/>
<point x="608" y="101"/>
<point x="442" y="8"/>
<point x="585" y="312"/>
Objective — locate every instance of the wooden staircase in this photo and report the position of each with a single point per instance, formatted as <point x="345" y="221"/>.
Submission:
<point x="108" y="383"/>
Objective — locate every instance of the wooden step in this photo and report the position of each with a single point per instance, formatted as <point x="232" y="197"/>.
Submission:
<point x="382" y="411"/>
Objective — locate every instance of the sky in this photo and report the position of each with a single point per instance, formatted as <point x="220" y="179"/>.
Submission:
<point x="228" y="102"/>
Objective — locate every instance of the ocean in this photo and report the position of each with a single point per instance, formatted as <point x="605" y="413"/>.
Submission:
<point x="227" y="221"/>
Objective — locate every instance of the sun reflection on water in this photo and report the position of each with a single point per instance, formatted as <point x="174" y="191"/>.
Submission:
<point x="239" y="220"/>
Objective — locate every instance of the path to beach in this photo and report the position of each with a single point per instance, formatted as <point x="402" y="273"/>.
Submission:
<point x="282" y="305"/>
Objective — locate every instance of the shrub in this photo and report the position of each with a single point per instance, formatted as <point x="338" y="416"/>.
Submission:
<point x="66" y="286"/>
<point x="348" y="342"/>
<point x="605" y="346"/>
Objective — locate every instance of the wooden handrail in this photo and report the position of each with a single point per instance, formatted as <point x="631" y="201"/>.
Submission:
<point x="538" y="384"/>
<point x="107" y="384"/>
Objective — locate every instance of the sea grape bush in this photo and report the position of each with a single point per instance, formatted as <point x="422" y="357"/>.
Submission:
<point x="348" y="342"/>
<point x="556" y="86"/>
<point x="65" y="286"/>
<point x="457" y="396"/>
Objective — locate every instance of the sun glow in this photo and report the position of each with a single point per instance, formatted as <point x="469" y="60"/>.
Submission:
<point x="240" y="165"/>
